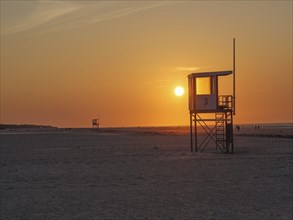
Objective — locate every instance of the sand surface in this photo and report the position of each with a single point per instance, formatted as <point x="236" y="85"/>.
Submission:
<point x="144" y="173"/>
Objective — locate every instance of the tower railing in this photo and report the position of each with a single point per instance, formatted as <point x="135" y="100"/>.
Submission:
<point x="225" y="102"/>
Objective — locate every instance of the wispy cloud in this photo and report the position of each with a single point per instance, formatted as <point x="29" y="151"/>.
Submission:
<point x="42" y="13"/>
<point x="46" y="16"/>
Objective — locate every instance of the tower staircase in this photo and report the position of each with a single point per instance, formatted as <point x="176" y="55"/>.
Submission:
<point x="220" y="131"/>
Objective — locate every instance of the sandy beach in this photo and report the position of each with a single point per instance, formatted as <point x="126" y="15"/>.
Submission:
<point x="144" y="173"/>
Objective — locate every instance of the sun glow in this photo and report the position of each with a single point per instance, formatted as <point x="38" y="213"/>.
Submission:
<point x="179" y="91"/>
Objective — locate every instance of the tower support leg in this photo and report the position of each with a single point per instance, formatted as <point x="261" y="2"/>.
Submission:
<point x="191" y="132"/>
<point x="195" y="132"/>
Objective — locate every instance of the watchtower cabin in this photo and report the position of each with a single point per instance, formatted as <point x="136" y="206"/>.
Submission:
<point x="211" y="112"/>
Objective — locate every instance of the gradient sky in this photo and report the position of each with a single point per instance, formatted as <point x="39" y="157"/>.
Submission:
<point x="64" y="63"/>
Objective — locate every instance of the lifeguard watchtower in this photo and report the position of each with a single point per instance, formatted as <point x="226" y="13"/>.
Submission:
<point x="96" y="123"/>
<point x="213" y="112"/>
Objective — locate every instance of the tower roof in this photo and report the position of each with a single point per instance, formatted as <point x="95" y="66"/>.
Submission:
<point x="209" y="74"/>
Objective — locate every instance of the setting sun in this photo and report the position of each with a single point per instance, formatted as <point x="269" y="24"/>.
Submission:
<point x="179" y="91"/>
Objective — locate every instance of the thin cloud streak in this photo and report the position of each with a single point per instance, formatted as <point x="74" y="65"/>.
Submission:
<point x="187" y="68"/>
<point x="124" y="12"/>
<point x="50" y="16"/>
<point x="190" y="68"/>
<point x="41" y="16"/>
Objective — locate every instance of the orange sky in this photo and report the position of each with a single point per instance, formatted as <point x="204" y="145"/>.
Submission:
<point x="64" y="63"/>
